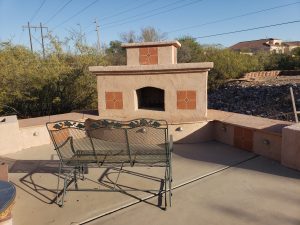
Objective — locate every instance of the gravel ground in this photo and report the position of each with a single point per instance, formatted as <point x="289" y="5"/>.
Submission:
<point x="264" y="97"/>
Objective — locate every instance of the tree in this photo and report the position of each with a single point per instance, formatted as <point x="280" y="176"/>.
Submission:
<point x="116" y="54"/>
<point x="37" y="86"/>
<point x="129" y="37"/>
<point x="149" y="34"/>
<point x="190" y="50"/>
<point x="296" y="52"/>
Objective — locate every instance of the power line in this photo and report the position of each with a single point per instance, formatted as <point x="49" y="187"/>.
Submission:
<point x="151" y="15"/>
<point x="21" y="36"/>
<point x="37" y="40"/>
<point x="248" y="29"/>
<point x="127" y="10"/>
<point x="233" y="17"/>
<point x="123" y="12"/>
<point x="76" y="14"/>
<point x="37" y="11"/>
<point x="58" y="11"/>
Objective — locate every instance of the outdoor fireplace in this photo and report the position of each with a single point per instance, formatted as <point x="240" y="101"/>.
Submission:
<point x="153" y="85"/>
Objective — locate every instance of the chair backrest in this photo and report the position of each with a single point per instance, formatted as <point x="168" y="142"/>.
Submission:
<point x="68" y="136"/>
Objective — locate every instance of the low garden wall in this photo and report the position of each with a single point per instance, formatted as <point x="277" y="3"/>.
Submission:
<point x="274" y="139"/>
<point x="271" y="73"/>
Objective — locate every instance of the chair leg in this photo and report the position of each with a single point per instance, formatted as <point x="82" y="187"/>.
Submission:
<point x="57" y="189"/>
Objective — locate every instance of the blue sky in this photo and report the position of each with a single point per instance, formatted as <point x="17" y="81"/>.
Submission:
<point x="116" y="16"/>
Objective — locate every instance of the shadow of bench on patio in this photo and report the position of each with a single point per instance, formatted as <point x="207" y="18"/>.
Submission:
<point x="34" y="186"/>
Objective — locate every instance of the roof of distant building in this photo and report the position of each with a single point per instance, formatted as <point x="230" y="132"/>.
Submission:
<point x="254" y="45"/>
<point x="261" y="45"/>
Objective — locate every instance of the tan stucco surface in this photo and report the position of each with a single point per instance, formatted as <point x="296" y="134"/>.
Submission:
<point x="171" y="83"/>
<point x="149" y="44"/>
<point x="150" y="69"/>
<point x="290" y="154"/>
<point x="10" y="135"/>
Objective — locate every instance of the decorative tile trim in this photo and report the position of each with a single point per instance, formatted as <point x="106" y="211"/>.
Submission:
<point x="186" y="99"/>
<point x="114" y="100"/>
<point x="148" y="56"/>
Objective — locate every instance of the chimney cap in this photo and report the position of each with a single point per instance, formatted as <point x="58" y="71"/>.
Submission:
<point x="151" y="44"/>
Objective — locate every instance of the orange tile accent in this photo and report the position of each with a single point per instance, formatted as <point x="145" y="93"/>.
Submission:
<point x="119" y="105"/>
<point x="181" y="95"/>
<point x="153" y="51"/>
<point x="243" y="138"/>
<point x="114" y="100"/>
<point x="144" y="50"/>
<point x="110" y="105"/>
<point x="186" y="99"/>
<point x="191" y="104"/>
<point x="148" y="56"/>
<point x="109" y="96"/>
<point x="191" y="94"/>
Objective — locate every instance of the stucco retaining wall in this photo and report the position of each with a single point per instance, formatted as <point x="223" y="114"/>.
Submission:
<point x="273" y="139"/>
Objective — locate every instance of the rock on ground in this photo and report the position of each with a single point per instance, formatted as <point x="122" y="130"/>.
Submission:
<point x="266" y="98"/>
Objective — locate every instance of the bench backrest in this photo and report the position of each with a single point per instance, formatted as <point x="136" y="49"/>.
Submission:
<point x="145" y="140"/>
<point x="148" y="141"/>
<point x="139" y="141"/>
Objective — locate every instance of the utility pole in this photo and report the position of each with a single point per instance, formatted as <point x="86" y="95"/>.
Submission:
<point x="42" y="36"/>
<point x="98" y="35"/>
<point x="29" y="32"/>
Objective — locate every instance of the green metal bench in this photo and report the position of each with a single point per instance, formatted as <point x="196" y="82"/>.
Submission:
<point x="110" y="144"/>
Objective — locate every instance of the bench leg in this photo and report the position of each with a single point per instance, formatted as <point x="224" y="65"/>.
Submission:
<point x="170" y="185"/>
<point x="166" y="178"/>
<point x="82" y="172"/>
<point x="64" y="191"/>
<point x="57" y="189"/>
<point x="75" y="177"/>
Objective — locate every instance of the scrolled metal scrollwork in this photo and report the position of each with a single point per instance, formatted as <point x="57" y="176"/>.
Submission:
<point x="68" y="124"/>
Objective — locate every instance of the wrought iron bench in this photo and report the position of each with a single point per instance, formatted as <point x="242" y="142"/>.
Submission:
<point x="110" y="143"/>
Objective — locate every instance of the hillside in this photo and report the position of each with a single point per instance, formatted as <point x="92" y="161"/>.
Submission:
<point x="269" y="97"/>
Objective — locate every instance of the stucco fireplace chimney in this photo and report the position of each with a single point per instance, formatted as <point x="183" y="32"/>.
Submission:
<point x="153" y="85"/>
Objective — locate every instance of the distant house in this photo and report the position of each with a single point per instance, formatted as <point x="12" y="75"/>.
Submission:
<point x="272" y="45"/>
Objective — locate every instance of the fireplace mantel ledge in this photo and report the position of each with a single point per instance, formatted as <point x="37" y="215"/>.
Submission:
<point x="151" y="69"/>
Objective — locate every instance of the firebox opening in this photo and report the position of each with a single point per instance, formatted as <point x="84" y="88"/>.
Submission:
<point x="151" y="98"/>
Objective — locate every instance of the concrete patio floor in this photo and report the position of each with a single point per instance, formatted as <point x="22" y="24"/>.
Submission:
<point x="213" y="184"/>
